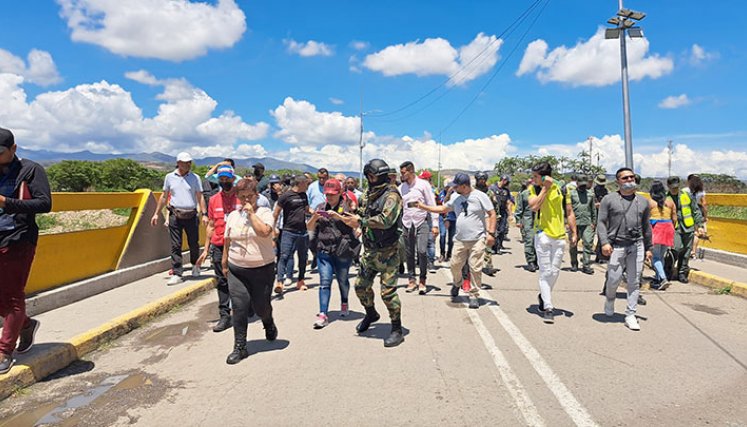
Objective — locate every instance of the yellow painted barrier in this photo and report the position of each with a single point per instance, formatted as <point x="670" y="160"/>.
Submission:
<point x="63" y="202"/>
<point x="69" y="257"/>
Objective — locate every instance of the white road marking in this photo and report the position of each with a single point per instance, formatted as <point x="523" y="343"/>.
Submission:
<point x="524" y="404"/>
<point x="570" y="404"/>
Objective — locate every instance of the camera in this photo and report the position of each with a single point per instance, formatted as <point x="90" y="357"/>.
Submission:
<point x="634" y="233"/>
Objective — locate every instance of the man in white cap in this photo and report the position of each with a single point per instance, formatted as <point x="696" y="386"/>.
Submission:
<point x="183" y="193"/>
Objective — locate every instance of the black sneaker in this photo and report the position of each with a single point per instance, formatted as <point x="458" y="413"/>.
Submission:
<point x="587" y="270"/>
<point x="549" y="317"/>
<point x="223" y="324"/>
<point x="641" y="300"/>
<point x="573" y="269"/>
<point x="683" y="279"/>
<point x="532" y="267"/>
<point x="454" y="291"/>
<point x="6" y="362"/>
<point x="271" y="332"/>
<point x="26" y="340"/>
<point x="489" y="271"/>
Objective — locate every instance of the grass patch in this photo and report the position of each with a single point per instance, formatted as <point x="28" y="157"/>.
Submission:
<point x="726" y="290"/>
<point x="45" y="221"/>
<point x="122" y="211"/>
<point x="730" y="212"/>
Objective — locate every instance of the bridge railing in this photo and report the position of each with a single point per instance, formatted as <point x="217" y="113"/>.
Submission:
<point x="727" y="234"/>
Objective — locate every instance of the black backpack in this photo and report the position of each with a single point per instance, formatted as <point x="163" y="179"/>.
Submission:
<point x="670" y="264"/>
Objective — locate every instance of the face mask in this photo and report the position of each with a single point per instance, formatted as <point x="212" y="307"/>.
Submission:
<point x="629" y="186"/>
<point x="582" y="187"/>
<point x="226" y="186"/>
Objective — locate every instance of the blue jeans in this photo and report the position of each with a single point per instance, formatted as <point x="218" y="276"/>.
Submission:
<point x="331" y="266"/>
<point x="292" y="242"/>
<point x="658" y="261"/>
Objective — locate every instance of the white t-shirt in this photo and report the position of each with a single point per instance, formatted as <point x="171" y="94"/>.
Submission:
<point x="247" y="249"/>
<point x="470" y="212"/>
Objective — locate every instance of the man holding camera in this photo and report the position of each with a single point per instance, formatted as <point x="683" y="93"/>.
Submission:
<point x="625" y="235"/>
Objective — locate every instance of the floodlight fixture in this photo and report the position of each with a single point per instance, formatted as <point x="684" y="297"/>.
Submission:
<point x="614" y="21"/>
<point x="632" y="14"/>
<point x="635" y="32"/>
<point x="611" y="33"/>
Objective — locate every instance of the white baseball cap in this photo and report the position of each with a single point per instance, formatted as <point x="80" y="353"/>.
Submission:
<point x="184" y="157"/>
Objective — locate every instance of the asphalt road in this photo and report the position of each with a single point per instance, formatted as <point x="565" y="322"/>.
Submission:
<point x="499" y="365"/>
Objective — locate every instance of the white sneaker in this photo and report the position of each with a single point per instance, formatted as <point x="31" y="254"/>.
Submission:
<point x="175" y="280"/>
<point x="609" y="308"/>
<point x="321" y="321"/>
<point x="195" y="271"/>
<point x="632" y="323"/>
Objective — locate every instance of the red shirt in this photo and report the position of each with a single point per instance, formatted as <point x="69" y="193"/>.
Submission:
<point x="219" y="206"/>
<point x="351" y="196"/>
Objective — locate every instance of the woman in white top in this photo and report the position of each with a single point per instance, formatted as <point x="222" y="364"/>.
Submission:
<point x="249" y="264"/>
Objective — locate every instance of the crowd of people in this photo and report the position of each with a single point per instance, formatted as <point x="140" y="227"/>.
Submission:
<point x="259" y="226"/>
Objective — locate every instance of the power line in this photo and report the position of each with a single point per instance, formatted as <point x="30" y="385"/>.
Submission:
<point x="464" y="67"/>
<point x="505" y="36"/>
<point x="497" y="70"/>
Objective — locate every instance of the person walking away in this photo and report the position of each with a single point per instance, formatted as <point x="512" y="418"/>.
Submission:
<point x="183" y="194"/>
<point x="525" y="221"/>
<point x="505" y="205"/>
<point x="695" y="184"/>
<point x="689" y="220"/>
<point x="475" y="230"/>
<point x="219" y="207"/>
<point x="416" y="227"/>
<point x="582" y="201"/>
<point x="380" y="217"/>
<point x="551" y="208"/>
<point x="24" y="192"/>
<point x="625" y="235"/>
<point x="294" y="206"/>
<point x="481" y="184"/>
<point x="336" y="245"/>
<point x="663" y="218"/>
<point x="600" y="190"/>
<point x="249" y="263"/>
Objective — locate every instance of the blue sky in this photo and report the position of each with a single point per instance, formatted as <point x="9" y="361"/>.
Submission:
<point x="285" y="79"/>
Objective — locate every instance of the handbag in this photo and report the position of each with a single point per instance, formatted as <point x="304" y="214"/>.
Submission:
<point x="184" y="213"/>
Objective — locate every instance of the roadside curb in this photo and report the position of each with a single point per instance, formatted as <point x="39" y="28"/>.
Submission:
<point x="715" y="282"/>
<point x="56" y="356"/>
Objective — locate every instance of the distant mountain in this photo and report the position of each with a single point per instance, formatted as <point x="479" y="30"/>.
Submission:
<point x="47" y="157"/>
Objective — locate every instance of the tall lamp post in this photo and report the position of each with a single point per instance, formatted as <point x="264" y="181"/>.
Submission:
<point x="625" y="23"/>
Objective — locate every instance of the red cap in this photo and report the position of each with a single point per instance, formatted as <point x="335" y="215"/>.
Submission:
<point x="332" y="186"/>
<point x="425" y="175"/>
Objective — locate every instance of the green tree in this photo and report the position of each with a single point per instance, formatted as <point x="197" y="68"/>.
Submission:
<point x="127" y="175"/>
<point x="73" y="175"/>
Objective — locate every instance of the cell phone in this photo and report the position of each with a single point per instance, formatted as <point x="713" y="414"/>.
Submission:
<point x="323" y="214"/>
<point x="412" y="204"/>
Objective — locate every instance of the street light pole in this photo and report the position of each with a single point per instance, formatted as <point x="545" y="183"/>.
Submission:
<point x="669" y="150"/>
<point x="624" y="22"/>
<point x="438" y="183"/>
<point x="360" y="146"/>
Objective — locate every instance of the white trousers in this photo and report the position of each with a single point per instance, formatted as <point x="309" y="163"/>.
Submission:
<point x="549" y="258"/>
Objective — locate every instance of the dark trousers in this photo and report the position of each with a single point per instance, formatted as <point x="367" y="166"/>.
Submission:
<point x="15" y="267"/>
<point x="192" y="228"/>
<point x="501" y="230"/>
<point x="250" y="288"/>
<point x="292" y="242"/>
<point x="447" y="234"/>
<point x="416" y="243"/>
<point x="224" y="297"/>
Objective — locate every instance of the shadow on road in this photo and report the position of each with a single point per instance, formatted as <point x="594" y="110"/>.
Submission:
<point x="261" y="346"/>
<point x="381" y="331"/>
<point x="534" y="309"/>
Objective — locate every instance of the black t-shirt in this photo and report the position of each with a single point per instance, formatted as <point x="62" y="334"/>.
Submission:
<point x="504" y="195"/>
<point x="294" y="211"/>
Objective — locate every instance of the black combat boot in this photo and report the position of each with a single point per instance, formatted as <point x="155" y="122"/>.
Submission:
<point x="395" y="337"/>
<point x="239" y="352"/>
<point x="223" y="324"/>
<point x="271" y="331"/>
<point x="371" y="316"/>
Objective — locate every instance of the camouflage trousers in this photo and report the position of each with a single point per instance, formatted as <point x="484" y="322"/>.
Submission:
<point x="488" y="257"/>
<point x="384" y="262"/>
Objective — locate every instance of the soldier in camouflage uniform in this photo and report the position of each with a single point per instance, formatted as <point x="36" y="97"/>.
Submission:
<point x="582" y="201"/>
<point x="481" y="183"/>
<point x="525" y="221"/>
<point x="380" y="217"/>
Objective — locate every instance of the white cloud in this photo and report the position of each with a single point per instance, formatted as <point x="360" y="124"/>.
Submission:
<point x="103" y="117"/>
<point x="359" y="45"/>
<point x="698" y="55"/>
<point x="470" y="154"/>
<point x="173" y="30"/>
<point x="672" y="102"/>
<point x="41" y="69"/>
<point x="436" y="56"/>
<point x="336" y="101"/>
<point x="301" y="124"/>
<point x="685" y="159"/>
<point x="595" y="62"/>
<point x="309" y="48"/>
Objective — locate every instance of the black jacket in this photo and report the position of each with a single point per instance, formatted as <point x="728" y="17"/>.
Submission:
<point x="24" y="211"/>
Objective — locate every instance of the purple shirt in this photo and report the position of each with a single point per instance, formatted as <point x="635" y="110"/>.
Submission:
<point x="420" y="191"/>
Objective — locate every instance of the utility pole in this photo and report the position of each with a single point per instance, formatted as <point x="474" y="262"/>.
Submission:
<point x="361" y="144"/>
<point x="624" y="22"/>
<point x="438" y="183"/>
<point x="669" y="149"/>
<point x="591" y="159"/>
